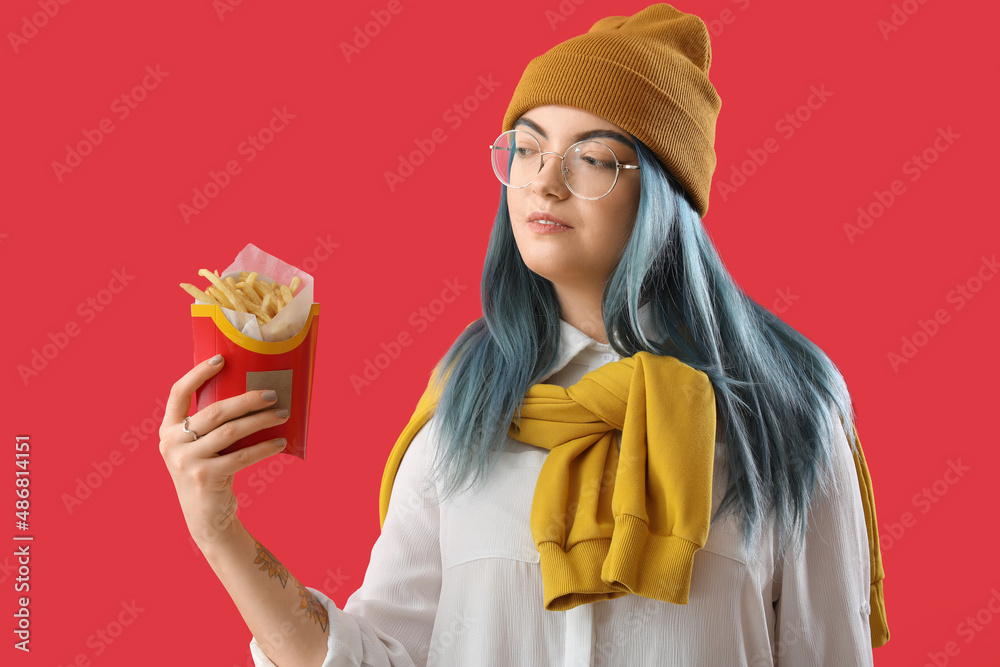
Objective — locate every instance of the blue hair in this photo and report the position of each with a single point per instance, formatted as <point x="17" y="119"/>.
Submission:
<point x="775" y="390"/>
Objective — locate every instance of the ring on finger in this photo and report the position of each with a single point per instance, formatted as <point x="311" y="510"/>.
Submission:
<point x="187" y="430"/>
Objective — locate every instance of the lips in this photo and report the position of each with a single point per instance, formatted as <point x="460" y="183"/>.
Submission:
<point x="543" y="218"/>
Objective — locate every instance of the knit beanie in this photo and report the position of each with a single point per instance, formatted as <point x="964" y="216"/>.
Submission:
<point x="646" y="73"/>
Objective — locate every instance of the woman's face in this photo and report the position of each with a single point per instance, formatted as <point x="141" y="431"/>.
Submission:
<point x="583" y="252"/>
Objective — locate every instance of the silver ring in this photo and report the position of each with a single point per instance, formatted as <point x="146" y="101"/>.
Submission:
<point x="187" y="430"/>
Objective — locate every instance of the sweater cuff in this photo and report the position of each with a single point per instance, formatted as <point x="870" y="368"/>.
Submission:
<point x="571" y="578"/>
<point x="631" y="561"/>
<point x="650" y="565"/>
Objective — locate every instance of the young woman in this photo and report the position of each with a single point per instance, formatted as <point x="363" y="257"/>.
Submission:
<point x="608" y="316"/>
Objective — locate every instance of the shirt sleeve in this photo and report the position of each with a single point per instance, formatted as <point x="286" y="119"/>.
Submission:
<point x="388" y="621"/>
<point x="821" y="614"/>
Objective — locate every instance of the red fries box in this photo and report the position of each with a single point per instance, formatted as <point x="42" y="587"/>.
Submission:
<point x="279" y="355"/>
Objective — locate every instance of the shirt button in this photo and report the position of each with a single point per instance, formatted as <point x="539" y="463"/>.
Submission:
<point x="607" y="357"/>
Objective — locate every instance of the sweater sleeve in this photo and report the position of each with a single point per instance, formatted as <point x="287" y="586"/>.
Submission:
<point x="387" y="621"/>
<point x="821" y="614"/>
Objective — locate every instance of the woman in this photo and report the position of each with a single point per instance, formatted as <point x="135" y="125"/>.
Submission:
<point x="503" y="543"/>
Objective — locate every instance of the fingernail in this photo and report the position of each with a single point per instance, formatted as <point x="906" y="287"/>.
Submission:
<point x="281" y="414"/>
<point x="280" y="442"/>
<point x="269" y="395"/>
<point x="215" y="361"/>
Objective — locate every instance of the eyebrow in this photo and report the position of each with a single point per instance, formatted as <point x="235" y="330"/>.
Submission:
<point x="589" y="134"/>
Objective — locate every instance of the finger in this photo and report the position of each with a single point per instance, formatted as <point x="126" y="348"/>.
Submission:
<point x="216" y="440"/>
<point x="216" y="414"/>
<point x="179" y="401"/>
<point x="233" y="462"/>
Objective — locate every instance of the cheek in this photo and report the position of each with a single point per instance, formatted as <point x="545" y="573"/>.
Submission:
<point x="620" y="228"/>
<point x="626" y="218"/>
<point x="514" y="205"/>
<point x="514" y="196"/>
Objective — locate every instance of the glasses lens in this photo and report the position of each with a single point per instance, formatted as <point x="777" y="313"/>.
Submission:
<point x="592" y="169"/>
<point x="515" y="157"/>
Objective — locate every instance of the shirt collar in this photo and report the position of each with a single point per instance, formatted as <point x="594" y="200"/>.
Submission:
<point x="575" y="345"/>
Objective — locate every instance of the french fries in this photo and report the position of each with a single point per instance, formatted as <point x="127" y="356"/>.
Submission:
<point x="246" y="295"/>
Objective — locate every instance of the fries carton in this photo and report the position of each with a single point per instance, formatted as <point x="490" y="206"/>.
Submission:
<point x="279" y="355"/>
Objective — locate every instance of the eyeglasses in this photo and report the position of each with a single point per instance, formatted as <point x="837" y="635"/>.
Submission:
<point x="589" y="168"/>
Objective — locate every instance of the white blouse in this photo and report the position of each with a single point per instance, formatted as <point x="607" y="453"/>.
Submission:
<point x="460" y="584"/>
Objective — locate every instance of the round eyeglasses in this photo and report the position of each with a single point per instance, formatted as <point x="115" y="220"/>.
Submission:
<point x="589" y="168"/>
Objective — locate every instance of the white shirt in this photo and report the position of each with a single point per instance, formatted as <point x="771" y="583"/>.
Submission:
<point x="460" y="584"/>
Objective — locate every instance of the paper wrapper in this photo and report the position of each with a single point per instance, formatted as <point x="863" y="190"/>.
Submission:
<point x="279" y="356"/>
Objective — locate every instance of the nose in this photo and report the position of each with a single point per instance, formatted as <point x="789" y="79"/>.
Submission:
<point x="550" y="179"/>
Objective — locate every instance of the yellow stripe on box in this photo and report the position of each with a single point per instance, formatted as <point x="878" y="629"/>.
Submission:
<point x="246" y="342"/>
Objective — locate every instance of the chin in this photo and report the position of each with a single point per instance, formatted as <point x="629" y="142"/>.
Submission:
<point x="554" y="272"/>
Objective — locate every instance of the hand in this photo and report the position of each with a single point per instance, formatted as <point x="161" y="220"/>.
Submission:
<point x="204" y="479"/>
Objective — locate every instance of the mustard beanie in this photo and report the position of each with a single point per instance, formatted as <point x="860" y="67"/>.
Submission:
<point x="647" y="73"/>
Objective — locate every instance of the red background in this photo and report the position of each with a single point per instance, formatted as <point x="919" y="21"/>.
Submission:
<point x="321" y="182"/>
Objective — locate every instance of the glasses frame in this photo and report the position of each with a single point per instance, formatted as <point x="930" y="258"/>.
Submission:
<point x="541" y="164"/>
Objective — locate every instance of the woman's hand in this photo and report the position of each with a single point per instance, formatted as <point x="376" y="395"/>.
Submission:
<point x="203" y="478"/>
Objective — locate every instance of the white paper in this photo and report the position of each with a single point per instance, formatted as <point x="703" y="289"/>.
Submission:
<point x="290" y="319"/>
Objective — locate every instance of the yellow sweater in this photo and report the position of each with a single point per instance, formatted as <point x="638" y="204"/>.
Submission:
<point x="609" y="523"/>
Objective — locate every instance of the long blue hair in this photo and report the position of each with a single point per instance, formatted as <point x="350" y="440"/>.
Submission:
<point x="776" y="391"/>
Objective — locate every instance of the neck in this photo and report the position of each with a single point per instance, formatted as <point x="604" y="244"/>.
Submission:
<point x="581" y="307"/>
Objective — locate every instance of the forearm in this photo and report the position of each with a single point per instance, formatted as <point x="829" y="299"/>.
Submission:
<point x="288" y="622"/>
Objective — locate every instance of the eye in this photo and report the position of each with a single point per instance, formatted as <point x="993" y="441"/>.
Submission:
<point x="598" y="163"/>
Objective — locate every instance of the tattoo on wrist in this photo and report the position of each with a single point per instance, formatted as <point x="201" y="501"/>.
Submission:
<point x="308" y="603"/>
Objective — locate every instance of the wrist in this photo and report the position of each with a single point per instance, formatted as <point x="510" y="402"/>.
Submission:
<point x="220" y="537"/>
